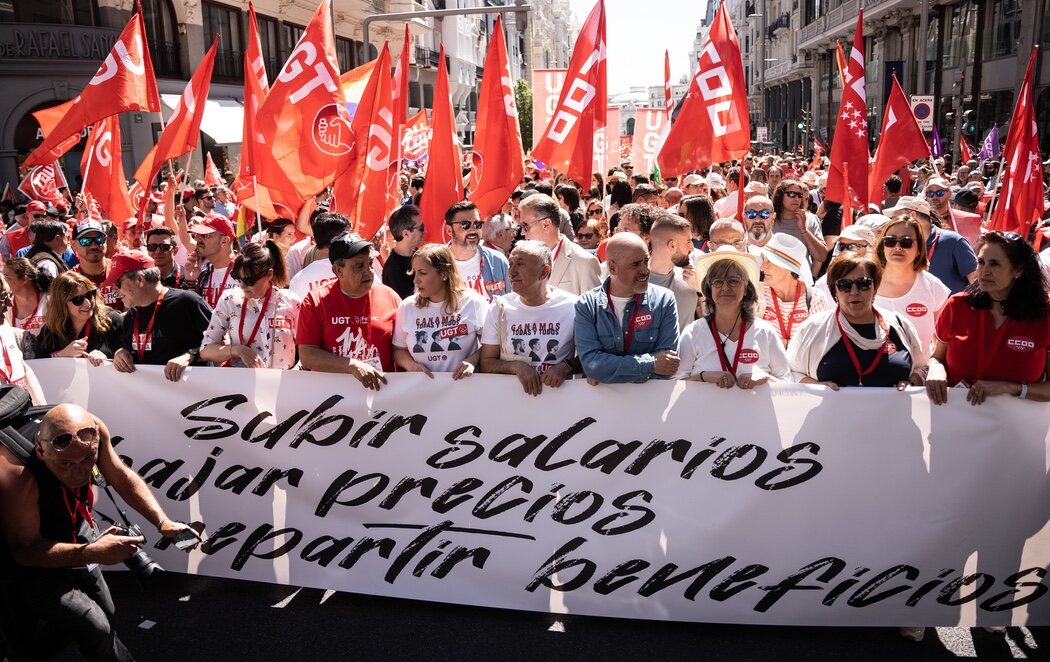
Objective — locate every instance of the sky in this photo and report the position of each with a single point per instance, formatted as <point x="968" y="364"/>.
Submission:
<point x="638" y="31"/>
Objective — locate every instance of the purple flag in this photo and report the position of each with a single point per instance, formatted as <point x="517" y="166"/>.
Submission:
<point x="990" y="147"/>
<point x="936" y="148"/>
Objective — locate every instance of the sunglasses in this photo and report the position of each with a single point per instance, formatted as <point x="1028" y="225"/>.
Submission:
<point x="62" y="441"/>
<point x="159" y="248"/>
<point x="721" y="283"/>
<point x="793" y="194"/>
<point x="1009" y="236"/>
<point x="939" y="193"/>
<point x="207" y="197"/>
<point x="751" y="214"/>
<point x="715" y="245"/>
<point x="890" y="241"/>
<point x="845" y="284"/>
<point x="466" y="225"/>
<point x="597" y="211"/>
<point x="420" y="228"/>
<point x="79" y="299"/>
<point x="248" y="281"/>
<point x="585" y="235"/>
<point x="88" y="241"/>
<point x="850" y="247"/>
<point x="38" y="216"/>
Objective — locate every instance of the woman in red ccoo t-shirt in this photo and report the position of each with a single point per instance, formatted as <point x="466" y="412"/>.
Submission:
<point x="995" y="336"/>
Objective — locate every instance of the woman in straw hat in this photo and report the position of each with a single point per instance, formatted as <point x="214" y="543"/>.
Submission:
<point x="788" y="297"/>
<point x="729" y="347"/>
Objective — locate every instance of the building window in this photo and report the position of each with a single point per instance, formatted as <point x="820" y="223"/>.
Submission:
<point x="290" y="35"/>
<point x="229" y="57"/>
<point x="1004" y="28"/>
<point x="270" y="37"/>
<point x="346" y="53"/>
<point x="162" y="37"/>
<point x="1046" y="25"/>
<point x="62" y="12"/>
<point x="959" y="31"/>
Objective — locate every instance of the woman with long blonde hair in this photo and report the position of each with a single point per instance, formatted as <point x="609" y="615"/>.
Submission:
<point x="78" y="324"/>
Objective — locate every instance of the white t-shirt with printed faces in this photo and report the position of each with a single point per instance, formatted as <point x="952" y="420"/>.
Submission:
<point x="436" y="338"/>
<point x="542" y="334"/>
<point x="920" y="305"/>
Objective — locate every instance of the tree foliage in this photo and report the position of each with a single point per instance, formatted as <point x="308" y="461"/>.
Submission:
<point x="523" y="100"/>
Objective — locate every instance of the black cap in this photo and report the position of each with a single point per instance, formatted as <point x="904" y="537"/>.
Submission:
<point x="347" y="245"/>
<point x="967" y="197"/>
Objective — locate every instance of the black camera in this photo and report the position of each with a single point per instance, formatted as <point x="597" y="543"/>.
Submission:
<point x="140" y="564"/>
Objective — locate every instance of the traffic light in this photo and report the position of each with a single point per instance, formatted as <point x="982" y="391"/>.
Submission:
<point x="969" y="119"/>
<point x="804" y="123"/>
<point x="949" y="118"/>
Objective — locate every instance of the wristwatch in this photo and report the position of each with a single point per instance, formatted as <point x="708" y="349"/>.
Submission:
<point x="195" y="353"/>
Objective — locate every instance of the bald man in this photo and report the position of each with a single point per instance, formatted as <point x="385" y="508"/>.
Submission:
<point x="52" y="543"/>
<point x="627" y="328"/>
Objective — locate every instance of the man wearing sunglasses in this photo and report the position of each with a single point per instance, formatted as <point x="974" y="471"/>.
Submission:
<point x="53" y="542"/>
<point x="483" y="269"/>
<point x="213" y="238"/>
<point x="162" y="246"/>
<point x="89" y="243"/>
<point x="952" y="258"/>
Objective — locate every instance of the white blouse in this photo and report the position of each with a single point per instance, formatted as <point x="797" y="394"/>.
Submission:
<point x="762" y="353"/>
<point x="274" y="342"/>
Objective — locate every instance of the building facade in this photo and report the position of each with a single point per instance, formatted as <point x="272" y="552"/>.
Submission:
<point x="49" y="51"/>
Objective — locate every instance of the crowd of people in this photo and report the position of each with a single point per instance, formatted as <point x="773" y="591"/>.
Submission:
<point x="626" y="280"/>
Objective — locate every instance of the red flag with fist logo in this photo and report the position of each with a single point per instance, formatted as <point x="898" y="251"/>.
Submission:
<point x="124" y="82"/>
<point x="849" y="149"/>
<point x="498" y="161"/>
<point x="304" y="135"/>
<point x="103" y="171"/>
<point x="567" y="143"/>
<point x="713" y="124"/>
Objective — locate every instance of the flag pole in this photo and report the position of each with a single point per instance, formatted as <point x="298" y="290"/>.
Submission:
<point x="255" y="190"/>
<point x="990" y="209"/>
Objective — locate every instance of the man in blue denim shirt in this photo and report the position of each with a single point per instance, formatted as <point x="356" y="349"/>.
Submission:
<point x="627" y="328"/>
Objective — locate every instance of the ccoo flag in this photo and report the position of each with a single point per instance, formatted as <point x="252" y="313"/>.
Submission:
<point x="713" y="124"/>
<point x="567" y="143"/>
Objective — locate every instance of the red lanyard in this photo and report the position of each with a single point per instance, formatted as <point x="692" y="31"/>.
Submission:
<point x="853" y="353"/>
<point x="933" y="246"/>
<point x="222" y="286"/>
<point x="14" y="310"/>
<point x="982" y="348"/>
<point x="722" y="358"/>
<point x="141" y="340"/>
<point x="258" y="322"/>
<point x="77" y="506"/>
<point x="785" y="330"/>
<point x="635" y="316"/>
<point x="87" y="331"/>
<point x="557" y="249"/>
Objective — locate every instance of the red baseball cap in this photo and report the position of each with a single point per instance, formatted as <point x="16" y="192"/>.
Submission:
<point x="124" y="261"/>
<point x="214" y="223"/>
<point x="36" y="206"/>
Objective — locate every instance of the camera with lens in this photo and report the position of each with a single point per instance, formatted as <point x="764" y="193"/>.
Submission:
<point x="140" y="564"/>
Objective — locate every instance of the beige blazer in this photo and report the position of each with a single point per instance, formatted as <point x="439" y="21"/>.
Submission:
<point x="575" y="270"/>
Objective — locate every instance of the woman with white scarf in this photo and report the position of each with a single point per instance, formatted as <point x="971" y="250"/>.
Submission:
<point x="857" y="343"/>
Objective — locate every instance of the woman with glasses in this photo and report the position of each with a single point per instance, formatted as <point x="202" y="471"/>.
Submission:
<point x="13" y="342"/>
<point x="994" y="337"/>
<point x="438" y="329"/>
<point x="789" y="203"/>
<point x="78" y="324"/>
<point x="856" y="343"/>
<point x="259" y="318"/>
<point x="29" y="287"/>
<point x="788" y="297"/>
<point x="699" y="210"/>
<point x="907" y="287"/>
<point x="729" y="347"/>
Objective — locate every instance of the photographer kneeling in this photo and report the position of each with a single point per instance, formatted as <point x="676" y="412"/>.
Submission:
<point x="52" y="545"/>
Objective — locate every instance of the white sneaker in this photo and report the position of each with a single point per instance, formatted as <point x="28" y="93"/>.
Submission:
<point x="913" y="633"/>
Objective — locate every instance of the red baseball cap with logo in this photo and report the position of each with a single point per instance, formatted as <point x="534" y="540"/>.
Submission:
<point x="214" y="223"/>
<point x="36" y="207"/>
<point x="124" y="261"/>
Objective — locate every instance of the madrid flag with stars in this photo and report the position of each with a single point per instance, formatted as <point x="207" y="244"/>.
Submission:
<point x="849" y="150"/>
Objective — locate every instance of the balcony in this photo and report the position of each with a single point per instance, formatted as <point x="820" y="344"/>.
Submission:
<point x="165" y="57"/>
<point x="229" y="66"/>
<point x="838" y="22"/>
<point x="783" y="22"/>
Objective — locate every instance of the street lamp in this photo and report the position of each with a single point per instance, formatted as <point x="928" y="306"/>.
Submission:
<point x="765" y="60"/>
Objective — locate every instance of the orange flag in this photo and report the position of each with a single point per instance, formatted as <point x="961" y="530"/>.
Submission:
<point x="568" y="141"/>
<point x="400" y="91"/>
<point x="416" y="137"/>
<point x="900" y="142"/>
<point x="184" y="126"/>
<point x="212" y="176"/>
<point x="498" y="161"/>
<point x="713" y="124"/>
<point x="363" y="191"/>
<point x="48" y="118"/>
<point x="304" y="133"/>
<point x="840" y="59"/>
<point x="124" y="82"/>
<point x="249" y="192"/>
<point x="444" y="182"/>
<point x="103" y="171"/>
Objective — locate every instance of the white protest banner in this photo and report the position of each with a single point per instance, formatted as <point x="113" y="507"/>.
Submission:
<point x="667" y="500"/>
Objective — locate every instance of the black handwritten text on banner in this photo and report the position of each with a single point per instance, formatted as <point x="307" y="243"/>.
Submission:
<point x="674" y="501"/>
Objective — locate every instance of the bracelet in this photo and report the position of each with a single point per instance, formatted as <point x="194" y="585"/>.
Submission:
<point x="160" y="524"/>
<point x="1024" y="391"/>
<point x="702" y="375"/>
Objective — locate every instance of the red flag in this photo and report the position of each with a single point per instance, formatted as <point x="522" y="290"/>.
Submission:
<point x="399" y="94"/>
<point x="668" y="103"/>
<point x="9" y="194"/>
<point x="48" y="119"/>
<point x="212" y="176"/>
<point x="183" y="129"/>
<point x="249" y="192"/>
<point x="964" y="150"/>
<point x="304" y="133"/>
<point x="104" y="173"/>
<point x="900" y="141"/>
<point x="849" y="149"/>
<point x="416" y="139"/>
<point x="568" y="141"/>
<point x="42" y="183"/>
<point x="124" y="82"/>
<point x="498" y="161"/>
<point x="368" y="190"/>
<point x="840" y="59"/>
<point x="444" y="183"/>
<point x="713" y="124"/>
<point x="1021" y="198"/>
